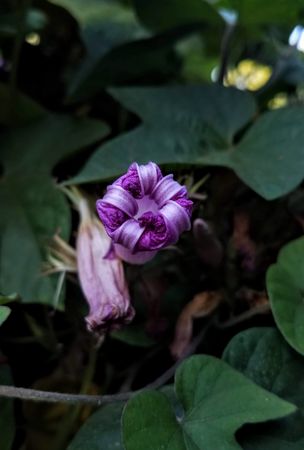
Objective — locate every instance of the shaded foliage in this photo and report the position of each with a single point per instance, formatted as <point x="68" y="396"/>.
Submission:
<point x="214" y="91"/>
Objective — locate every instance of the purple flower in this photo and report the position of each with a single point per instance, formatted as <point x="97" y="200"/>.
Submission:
<point x="102" y="279"/>
<point x="143" y="211"/>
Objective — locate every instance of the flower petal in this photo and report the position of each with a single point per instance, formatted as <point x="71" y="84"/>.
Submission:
<point x="133" y="258"/>
<point x="177" y="219"/>
<point x="182" y="199"/>
<point x="131" y="182"/>
<point x="128" y="234"/>
<point x="111" y="216"/>
<point x="149" y="174"/>
<point x="122" y="199"/>
<point x="103" y="282"/>
<point x="156" y="232"/>
<point x="143" y="212"/>
<point x="185" y="203"/>
<point x="85" y="266"/>
<point x="165" y="189"/>
<point x="109" y="318"/>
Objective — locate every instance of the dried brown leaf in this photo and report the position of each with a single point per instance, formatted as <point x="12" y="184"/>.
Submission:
<point x="201" y="305"/>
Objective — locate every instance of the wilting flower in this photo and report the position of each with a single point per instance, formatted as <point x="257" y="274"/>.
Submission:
<point x="143" y="211"/>
<point x="102" y="279"/>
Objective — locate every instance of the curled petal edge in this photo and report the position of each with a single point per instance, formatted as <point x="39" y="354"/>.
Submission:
<point x="176" y="218"/>
<point x="165" y="190"/>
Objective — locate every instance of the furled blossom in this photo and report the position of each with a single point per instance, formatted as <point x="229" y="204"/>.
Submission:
<point x="143" y="211"/>
<point x="102" y="279"/>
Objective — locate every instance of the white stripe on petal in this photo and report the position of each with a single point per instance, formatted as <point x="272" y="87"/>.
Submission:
<point x="148" y="176"/>
<point x="165" y="189"/>
<point x="128" y="234"/>
<point x="122" y="199"/>
<point x="176" y="218"/>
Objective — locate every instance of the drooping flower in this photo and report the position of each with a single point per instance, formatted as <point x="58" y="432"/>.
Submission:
<point x="143" y="212"/>
<point x="102" y="279"/>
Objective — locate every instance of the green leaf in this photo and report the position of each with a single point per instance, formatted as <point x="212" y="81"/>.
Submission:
<point x="164" y="14"/>
<point x="182" y="125"/>
<point x="4" y="313"/>
<point x="7" y="422"/>
<point x="263" y="356"/>
<point x="101" y="431"/>
<point x="285" y="285"/>
<point x="96" y="11"/>
<point x="126" y="64"/>
<point x="32" y="209"/>
<point x="217" y="401"/>
<point x="47" y="141"/>
<point x="149" y="420"/>
<point x="23" y="110"/>
<point x="259" y="12"/>
<point x="197" y="125"/>
<point x="270" y="158"/>
<point x="227" y="398"/>
<point x="99" y="42"/>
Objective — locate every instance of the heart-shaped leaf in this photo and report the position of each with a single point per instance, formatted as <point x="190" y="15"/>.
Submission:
<point x="138" y="57"/>
<point x="164" y="14"/>
<point x="101" y="431"/>
<point x="259" y="12"/>
<point x="149" y="418"/>
<point x="197" y="125"/>
<point x="217" y="401"/>
<point x="264" y="356"/>
<point x="91" y="12"/>
<point x="182" y="125"/>
<point x="270" y="157"/>
<point x="285" y="285"/>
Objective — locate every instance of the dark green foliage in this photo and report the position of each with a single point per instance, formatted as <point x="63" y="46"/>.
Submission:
<point x="213" y="92"/>
<point x="262" y="355"/>
<point x="285" y="284"/>
<point x="216" y="400"/>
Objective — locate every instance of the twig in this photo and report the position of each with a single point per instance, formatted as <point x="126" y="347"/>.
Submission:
<point x="225" y="51"/>
<point x="97" y="400"/>
<point x="53" y="397"/>
<point x="261" y="309"/>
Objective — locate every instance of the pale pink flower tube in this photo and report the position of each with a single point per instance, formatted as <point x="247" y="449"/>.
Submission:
<point x="102" y="279"/>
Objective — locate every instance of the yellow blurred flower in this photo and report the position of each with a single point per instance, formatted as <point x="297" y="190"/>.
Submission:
<point x="248" y="74"/>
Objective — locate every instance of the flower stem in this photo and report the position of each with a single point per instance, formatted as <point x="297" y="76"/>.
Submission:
<point x="225" y="47"/>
